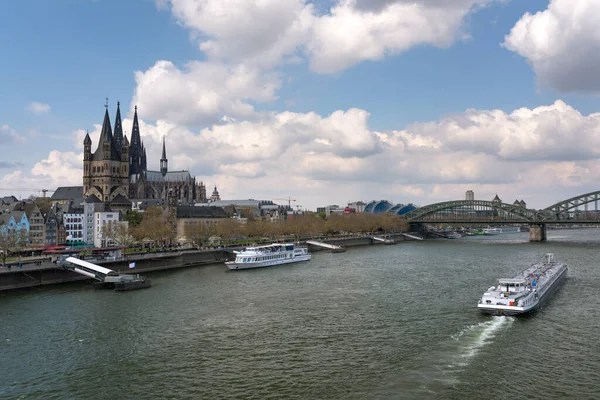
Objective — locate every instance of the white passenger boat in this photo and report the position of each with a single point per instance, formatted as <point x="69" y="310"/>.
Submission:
<point x="492" y="231"/>
<point x="526" y="291"/>
<point x="269" y="255"/>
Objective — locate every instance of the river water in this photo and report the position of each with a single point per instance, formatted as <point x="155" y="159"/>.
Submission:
<point x="377" y="322"/>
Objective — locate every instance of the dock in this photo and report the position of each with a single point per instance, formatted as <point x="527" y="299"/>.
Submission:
<point x="333" y="247"/>
<point x="384" y="240"/>
<point x="412" y="236"/>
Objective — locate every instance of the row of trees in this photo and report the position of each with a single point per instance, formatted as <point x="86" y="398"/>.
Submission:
<point x="300" y="226"/>
<point x="155" y="225"/>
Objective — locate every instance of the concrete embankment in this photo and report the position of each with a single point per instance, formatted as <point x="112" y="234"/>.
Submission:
<point x="47" y="273"/>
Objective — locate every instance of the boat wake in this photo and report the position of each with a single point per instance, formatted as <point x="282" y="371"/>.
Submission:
<point x="473" y="338"/>
<point x="442" y="367"/>
<point x="456" y="353"/>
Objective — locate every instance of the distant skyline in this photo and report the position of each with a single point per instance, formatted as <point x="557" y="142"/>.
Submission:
<point x="323" y="101"/>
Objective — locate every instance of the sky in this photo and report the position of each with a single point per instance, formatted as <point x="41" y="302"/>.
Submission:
<point x="318" y="101"/>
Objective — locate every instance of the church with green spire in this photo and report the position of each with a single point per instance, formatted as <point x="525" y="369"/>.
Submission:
<point x="117" y="171"/>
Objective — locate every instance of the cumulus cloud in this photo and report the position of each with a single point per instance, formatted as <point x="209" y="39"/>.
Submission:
<point x="253" y="32"/>
<point x="38" y="108"/>
<point x="9" y="135"/>
<point x="245" y="41"/>
<point x="266" y="32"/>
<point x="201" y="92"/>
<point x="58" y="169"/>
<point x="548" y="152"/>
<point x="6" y="165"/>
<point x="356" y="31"/>
<point x="562" y="44"/>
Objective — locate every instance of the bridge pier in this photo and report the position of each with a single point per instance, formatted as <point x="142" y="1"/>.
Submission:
<point x="418" y="227"/>
<point x="537" y="232"/>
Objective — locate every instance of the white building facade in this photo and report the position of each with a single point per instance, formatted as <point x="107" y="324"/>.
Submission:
<point x="73" y="223"/>
<point x="102" y="218"/>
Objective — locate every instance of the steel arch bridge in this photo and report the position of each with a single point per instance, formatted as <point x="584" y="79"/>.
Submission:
<point x="471" y="211"/>
<point x="482" y="211"/>
<point x="569" y="209"/>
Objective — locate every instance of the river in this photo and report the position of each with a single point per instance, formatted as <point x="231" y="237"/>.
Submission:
<point x="376" y="322"/>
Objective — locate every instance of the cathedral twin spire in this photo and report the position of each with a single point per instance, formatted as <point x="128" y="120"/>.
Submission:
<point x="110" y="145"/>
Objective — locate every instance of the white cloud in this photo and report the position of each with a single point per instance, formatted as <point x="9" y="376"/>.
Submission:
<point x="267" y="32"/>
<point x="10" y="135"/>
<point x="349" y="35"/>
<point x="245" y="41"/>
<point x="201" y="92"/>
<point x="59" y="169"/>
<point x="38" y="108"/>
<point x="541" y="155"/>
<point x="562" y="44"/>
<point x="248" y="31"/>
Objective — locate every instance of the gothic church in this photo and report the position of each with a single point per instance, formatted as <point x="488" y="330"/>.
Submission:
<point x="117" y="170"/>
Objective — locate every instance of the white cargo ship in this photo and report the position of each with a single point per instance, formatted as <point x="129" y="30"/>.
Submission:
<point x="268" y="255"/>
<point x="525" y="292"/>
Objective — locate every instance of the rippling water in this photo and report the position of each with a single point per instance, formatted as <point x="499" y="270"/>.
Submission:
<point x="383" y="322"/>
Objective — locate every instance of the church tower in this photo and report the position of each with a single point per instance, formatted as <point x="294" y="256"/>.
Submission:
<point x="163" y="160"/>
<point x="215" y="195"/>
<point x="105" y="173"/>
<point x="87" y="158"/>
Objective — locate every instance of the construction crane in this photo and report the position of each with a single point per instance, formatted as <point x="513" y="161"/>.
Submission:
<point x="289" y="200"/>
<point x="44" y="191"/>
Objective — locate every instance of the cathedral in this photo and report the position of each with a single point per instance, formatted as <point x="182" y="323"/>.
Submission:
<point x="117" y="170"/>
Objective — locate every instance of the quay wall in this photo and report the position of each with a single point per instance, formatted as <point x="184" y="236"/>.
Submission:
<point x="48" y="273"/>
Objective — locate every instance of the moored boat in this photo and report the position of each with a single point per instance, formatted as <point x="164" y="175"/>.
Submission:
<point x="526" y="291"/>
<point x="492" y="231"/>
<point x="132" y="282"/>
<point x="268" y="255"/>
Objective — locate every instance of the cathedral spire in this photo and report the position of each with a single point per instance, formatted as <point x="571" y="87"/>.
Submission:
<point x="135" y="148"/>
<point x="135" y="131"/>
<point x="106" y="148"/>
<point x="163" y="160"/>
<point x="106" y="132"/>
<point x="118" y="135"/>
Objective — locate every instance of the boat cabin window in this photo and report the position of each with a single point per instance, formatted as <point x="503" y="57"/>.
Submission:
<point x="511" y="286"/>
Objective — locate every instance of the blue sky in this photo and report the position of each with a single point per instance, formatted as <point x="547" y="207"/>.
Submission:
<point x="326" y="115"/>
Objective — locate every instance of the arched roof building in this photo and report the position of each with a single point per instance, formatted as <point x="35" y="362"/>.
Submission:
<point x="377" y="207"/>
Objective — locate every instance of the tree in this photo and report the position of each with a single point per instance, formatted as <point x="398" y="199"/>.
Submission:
<point x="118" y="231"/>
<point x="11" y="240"/>
<point x="133" y="218"/>
<point x="154" y="225"/>
<point x="200" y="232"/>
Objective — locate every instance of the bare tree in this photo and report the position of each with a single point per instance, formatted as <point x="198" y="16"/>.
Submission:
<point x="12" y="240"/>
<point x="154" y="225"/>
<point x="118" y="232"/>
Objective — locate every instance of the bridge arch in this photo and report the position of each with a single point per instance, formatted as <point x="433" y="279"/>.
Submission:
<point x="562" y="209"/>
<point x="480" y="210"/>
